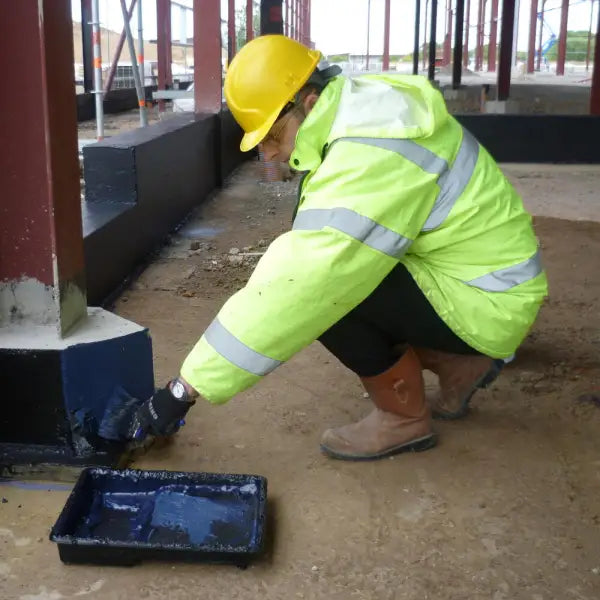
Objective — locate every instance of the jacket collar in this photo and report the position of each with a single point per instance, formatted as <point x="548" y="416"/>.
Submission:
<point x="314" y="131"/>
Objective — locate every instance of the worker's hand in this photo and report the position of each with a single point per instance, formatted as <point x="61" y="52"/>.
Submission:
<point x="162" y="414"/>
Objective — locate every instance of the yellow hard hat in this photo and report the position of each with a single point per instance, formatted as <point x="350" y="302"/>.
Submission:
<point x="262" y="78"/>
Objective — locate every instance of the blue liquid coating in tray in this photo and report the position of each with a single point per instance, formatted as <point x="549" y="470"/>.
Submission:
<point x="174" y="514"/>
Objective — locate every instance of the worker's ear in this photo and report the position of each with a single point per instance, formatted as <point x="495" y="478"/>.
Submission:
<point x="309" y="101"/>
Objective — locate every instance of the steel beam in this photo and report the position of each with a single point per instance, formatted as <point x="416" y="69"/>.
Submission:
<point x="207" y="56"/>
<point x="163" y="42"/>
<point x="467" y="27"/>
<point x="417" y="40"/>
<point x="249" y="20"/>
<point x="541" y="32"/>
<point x="271" y="19"/>
<point x="458" y="44"/>
<point x="562" y="38"/>
<point x="231" y="49"/>
<point x="589" y="40"/>
<point x="532" y="32"/>
<point x="432" y="40"/>
<point x="447" y="47"/>
<point x="595" y="93"/>
<point x="386" y="36"/>
<point x="86" y="45"/>
<point x="41" y="242"/>
<point x="493" y="37"/>
<point x="425" y="61"/>
<point x="506" y="48"/>
<point x="480" y="35"/>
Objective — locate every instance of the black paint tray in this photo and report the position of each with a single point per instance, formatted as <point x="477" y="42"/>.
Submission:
<point x="121" y="517"/>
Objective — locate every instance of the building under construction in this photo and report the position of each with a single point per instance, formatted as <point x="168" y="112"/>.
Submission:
<point x="128" y="215"/>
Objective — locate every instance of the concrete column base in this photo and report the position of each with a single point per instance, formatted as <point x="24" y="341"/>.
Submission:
<point x="55" y="390"/>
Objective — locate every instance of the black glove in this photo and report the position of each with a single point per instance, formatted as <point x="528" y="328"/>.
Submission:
<point x="161" y="415"/>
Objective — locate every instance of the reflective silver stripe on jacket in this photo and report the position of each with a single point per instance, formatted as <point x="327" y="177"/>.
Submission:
<point x="452" y="180"/>
<point x="427" y="160"/>
<point x="355" y="225"/>
<point x="236" y="352"/>
<point x="509" y="277"/>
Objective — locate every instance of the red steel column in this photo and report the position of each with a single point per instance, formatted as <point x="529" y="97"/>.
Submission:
<point x="562" y="38"/>
<point x="467" y="27"/>
<point x="532" y="31"/>
<point x="207" y="56"/>
<point x="249" y="20"/>
<point x="230" y="30"/>
<point x="493" y="37"/>
<point x="308" y="18"/>
<point x="595" y="94"/>
<point x="447" y="49"/>
<point x="506" y="48"/>
<point x="480" y="35"/>
<point x="42" y="275"/>
<point x="287" y="18"/>
<point x="386" y="37"/>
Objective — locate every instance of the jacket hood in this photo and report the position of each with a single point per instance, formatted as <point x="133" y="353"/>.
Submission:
<point x="381" y="105"/>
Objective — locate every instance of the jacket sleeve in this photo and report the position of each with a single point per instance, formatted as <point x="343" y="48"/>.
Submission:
<point x="342" y="245"/>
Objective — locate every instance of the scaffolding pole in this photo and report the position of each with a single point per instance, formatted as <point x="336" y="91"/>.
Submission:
<point x="117" y="55"/>
<point x="99" y="93"/>
<point x="141" y="45"/>
<point x="134" y="67"/>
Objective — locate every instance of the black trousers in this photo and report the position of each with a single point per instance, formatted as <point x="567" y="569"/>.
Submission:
<point x="397" y="312"/>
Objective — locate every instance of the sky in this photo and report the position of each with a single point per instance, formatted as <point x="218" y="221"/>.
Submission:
<point x="340" y="26"/>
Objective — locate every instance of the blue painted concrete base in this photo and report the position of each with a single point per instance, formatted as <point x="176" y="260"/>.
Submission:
<point x="56" y="389"/>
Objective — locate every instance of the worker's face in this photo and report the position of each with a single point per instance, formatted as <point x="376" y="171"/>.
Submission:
<point x="279" y="143"/>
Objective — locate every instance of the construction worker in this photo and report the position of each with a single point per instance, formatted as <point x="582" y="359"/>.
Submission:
<point x="409" y="250"/>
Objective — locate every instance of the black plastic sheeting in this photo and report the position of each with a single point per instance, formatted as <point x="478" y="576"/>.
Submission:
<point x="117" y="517"/>
<point x="140" y="185"/>
<point x="115" y="101"/>
<point x="537" y="138"/>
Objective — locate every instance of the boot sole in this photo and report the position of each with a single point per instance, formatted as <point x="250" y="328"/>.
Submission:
<point x="487" y="379"/>
<point x="418" y="445"/>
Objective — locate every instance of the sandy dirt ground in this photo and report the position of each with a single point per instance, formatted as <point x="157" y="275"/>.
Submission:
<point x="507" y="507"/>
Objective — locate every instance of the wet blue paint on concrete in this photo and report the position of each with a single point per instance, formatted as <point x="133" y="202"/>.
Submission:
<point x="94" y="373"/>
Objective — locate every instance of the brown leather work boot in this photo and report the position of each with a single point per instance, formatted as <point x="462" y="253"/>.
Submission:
<point x="400" y="422"/>
<point x="460" y="376"/>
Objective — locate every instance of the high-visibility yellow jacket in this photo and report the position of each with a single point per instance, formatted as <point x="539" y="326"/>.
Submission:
<point x="390" y="177"/>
